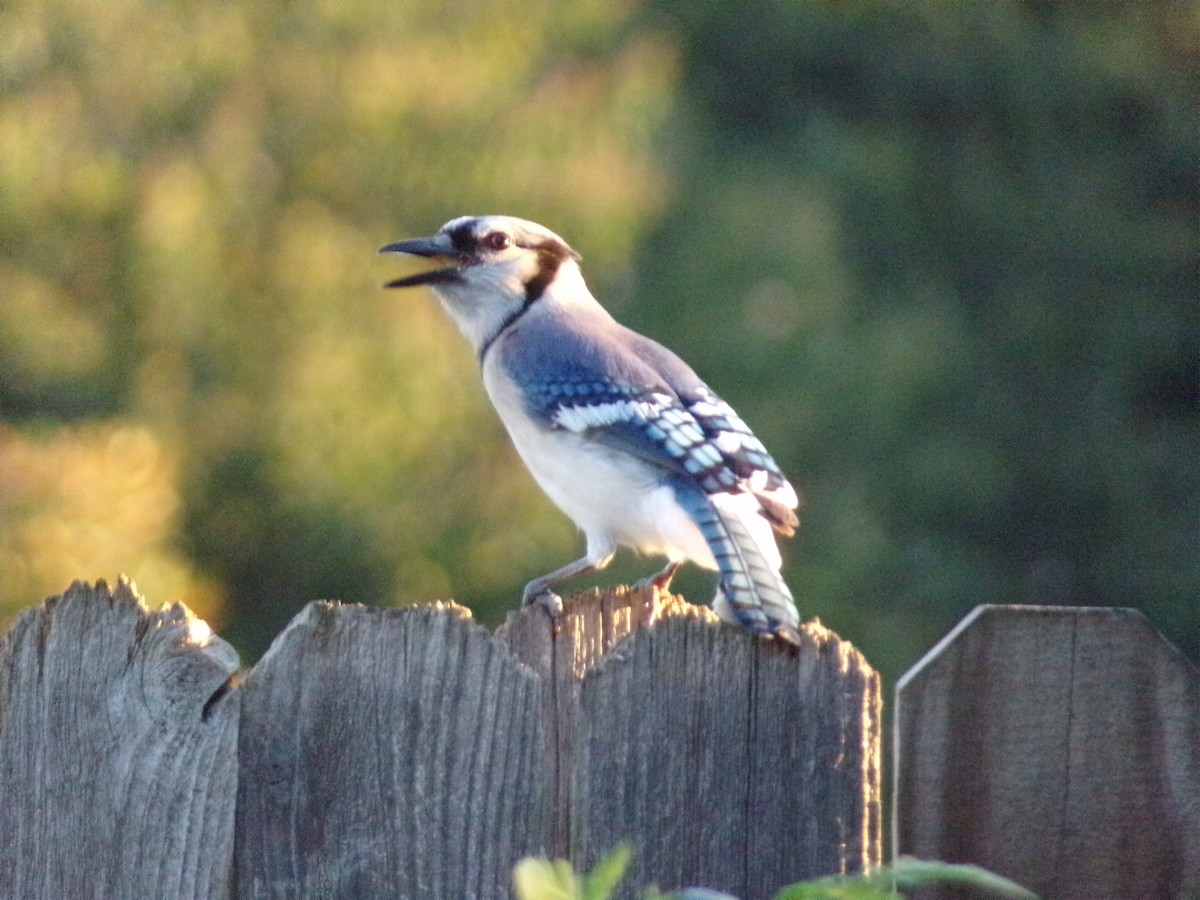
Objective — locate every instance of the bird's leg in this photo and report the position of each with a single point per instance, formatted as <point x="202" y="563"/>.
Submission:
<point x="540" y="589"/>
<point x="661" y="580"/>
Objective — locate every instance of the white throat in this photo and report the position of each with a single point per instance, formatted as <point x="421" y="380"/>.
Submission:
<point x="495" y="297"/>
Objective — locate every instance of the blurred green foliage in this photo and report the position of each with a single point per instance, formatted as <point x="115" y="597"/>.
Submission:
<point x="943" y="257"/>
<point x="191" y="198"/>
<point x="956" y="251"/>
<point x="535" y="878"/>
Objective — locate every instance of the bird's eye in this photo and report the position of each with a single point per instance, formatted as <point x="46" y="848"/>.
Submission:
<point x="497" y="240"/>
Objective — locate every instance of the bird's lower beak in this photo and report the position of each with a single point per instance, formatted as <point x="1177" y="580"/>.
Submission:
<point x="436" y="247"/>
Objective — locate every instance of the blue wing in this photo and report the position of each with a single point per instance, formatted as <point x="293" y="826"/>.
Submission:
<point x="638" y="396"/>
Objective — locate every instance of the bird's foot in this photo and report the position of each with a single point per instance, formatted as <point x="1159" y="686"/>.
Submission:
<point x="789" y="634"/>
<point x="660" y="581"/>
<point x="542" y="596"/>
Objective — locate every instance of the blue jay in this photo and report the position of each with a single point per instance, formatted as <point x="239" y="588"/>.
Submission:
<point x="617" y="430"/>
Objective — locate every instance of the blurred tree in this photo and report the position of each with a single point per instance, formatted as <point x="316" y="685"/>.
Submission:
<point x="190" y="202"/>
<point x="942" y="256"/>
<point x="961" y="241"/>
<point x="74" y="499"/>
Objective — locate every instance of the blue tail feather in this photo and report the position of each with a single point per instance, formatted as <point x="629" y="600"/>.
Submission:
<point x="753" y="588"/>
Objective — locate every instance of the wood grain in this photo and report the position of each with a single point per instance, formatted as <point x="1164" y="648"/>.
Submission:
<point x="1059" y="747"/>
<point x="730" y="762"/>
<point x="118" y="751"/>
<point x="726" y="761"/>
<point x="562" y="653"/>
<point x="387" y="753"/>
<point x="408" y="753"/>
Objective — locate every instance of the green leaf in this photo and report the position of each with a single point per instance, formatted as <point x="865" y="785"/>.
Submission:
<point x="536" y="878"/>
<point x="607" y="874"/>
<point x="907" y="872"/>
<point x="910" y="872"/>
<point x="839" y="888"/>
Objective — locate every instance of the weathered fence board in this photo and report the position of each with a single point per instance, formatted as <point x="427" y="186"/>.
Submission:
<point x="737" y="764"/>
<point x="387" y="753"/>
<point x="726" y="761"/>
<point x="118" y="751"/>
<point x="561" y="655"/>
<point x="1059" y="747"/>
<point x="408" y="753"/>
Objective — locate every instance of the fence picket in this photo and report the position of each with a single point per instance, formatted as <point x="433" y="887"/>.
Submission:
<point x="1057" y="746"/>
<point x="118" y="751"/>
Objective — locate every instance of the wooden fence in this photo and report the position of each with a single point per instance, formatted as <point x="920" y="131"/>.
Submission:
<point x="409" y="753"/>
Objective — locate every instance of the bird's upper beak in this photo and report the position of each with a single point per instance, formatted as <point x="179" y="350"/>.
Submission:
<point x="436" y="247"/>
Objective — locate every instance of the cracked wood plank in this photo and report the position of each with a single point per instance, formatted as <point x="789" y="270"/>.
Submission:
<point x="727" y="761"/>
<point x="387" y="753"/>
<point x="118" y="751"/>
<point x="562" y="653"/>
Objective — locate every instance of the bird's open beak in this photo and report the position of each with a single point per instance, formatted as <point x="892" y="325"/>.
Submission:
<point x="436" y="247"/>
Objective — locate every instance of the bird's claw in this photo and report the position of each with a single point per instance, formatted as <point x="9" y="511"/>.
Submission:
<point x="660" y="581"/>
<point x="547" y="599"/>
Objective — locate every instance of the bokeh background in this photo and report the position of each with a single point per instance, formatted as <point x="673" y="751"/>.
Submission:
<point x="943" y="257"/>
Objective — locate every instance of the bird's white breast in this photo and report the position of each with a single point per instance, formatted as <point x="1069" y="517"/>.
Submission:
<point x="614" y="498"/>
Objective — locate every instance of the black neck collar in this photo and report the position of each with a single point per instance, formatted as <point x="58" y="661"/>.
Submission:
<point x="509" y="320"/>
